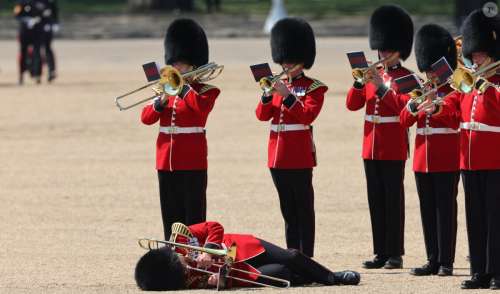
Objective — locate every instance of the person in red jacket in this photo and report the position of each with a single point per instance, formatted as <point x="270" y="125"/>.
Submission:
<point x="385" y="143"/>
<point x="436" y="157"/>
<point x="292" y="107"/>
<point x="479" y="113"/>
<point x="166" y="269"/>
<point x="181" y="147"/>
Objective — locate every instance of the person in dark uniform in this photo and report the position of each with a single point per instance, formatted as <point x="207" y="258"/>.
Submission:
<point x="181" y="147"/>
<point x="50" y="24"/>
<point x="479" y="112"/>
<point x="29" y="15"/>
<point x="292" y="106"/>
<point x="165" y="269"/>
<point x="436" y="156"/>
<point x="385" y="143"/>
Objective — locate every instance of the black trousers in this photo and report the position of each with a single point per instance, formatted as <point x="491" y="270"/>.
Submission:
<point x="437" y="192"/>
<point x="31" y="38"/>
<point x="291" y="265"/>
<point x="49" y="53"/>
<point x="482" y="210"/>
<point x="384" y="180"/>
<point x="296" y="195"/>
<point x="183" y="198"/>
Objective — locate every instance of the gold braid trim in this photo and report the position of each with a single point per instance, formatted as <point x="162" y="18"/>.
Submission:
<point x="315" y="85"/>
<point x="206" y="88"/>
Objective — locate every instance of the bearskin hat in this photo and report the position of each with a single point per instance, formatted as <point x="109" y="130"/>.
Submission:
<point x="391" y="28"/>
<point x="160" y="270"/>
<point x="186" y="41"/>
<point x="292" y="41"/>
<point x="431" y="43"/>
<point x="481" y="34"/>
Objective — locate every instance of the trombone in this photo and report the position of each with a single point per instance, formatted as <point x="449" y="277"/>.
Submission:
<point x="228" y="256"/>
<point x="171" y="82"/>
<point x="359" y="74"/>
<point x="266" y="83"/>
<point x="465" y="80"/>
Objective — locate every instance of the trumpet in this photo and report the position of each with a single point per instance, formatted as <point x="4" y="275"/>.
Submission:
<point x="359" y="74"/>
<point x="171" y="82"/>
<point x="465" y="80"/>
<point x="266" y="83"/>
<point x="224" y="270"/>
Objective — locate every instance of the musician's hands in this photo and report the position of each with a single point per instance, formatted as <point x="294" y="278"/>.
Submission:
<point x="373" y="75"/>
<point x="281" y="88"/>
<point x="204" y="260"/>
<point x="213" y="280"/>
<point x="428" y="105"/>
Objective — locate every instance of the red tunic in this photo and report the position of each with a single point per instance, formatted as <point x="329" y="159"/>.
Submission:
<point x="182" y="151"/>
<point x="382" y="141"/>
<point x="293" y="149"/>
<point x="247" y="246"/>
<point x="480" y="126"/>
<point x="437" y="144"/>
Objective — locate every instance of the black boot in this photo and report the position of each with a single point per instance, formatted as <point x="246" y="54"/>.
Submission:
<point x="394" y="262"/>
<point x="478" y="281"/>
<point x="445" y="270"/>
<point x="377" y="262"/>
<point x="430" y="268"/>
<point x="345" y="278"/>
<point x="495" y="283"/>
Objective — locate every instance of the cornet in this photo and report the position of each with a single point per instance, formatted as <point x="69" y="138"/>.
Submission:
<point x="227" y="255"/>
<point x="359" y="74"/>
<point x="266" y="83"/>
<point x="171" y="82"/>
<point x="465" y="80"/>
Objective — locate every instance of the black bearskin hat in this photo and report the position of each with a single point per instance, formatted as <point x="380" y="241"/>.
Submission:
<point x="292" y="41"/>
<point x="160" y="270"/>
<point x="186" y="41"/>
<point x="481" y="34"/>
<point x="431" y="43"/>
<point x="391" y="28"/>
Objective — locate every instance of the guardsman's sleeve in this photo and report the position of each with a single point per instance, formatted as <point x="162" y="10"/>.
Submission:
<point x="449" y="111"/>
<point x="307" y="110"/>
<point x="202" y="101"/>
<point x="408" y="118"/>
<point x="356" y="97"/>
<point x="265" y="109"/>
<point x="151" y="112"/>
<point x="210" y="234"/>
<point x="392" y="98"/>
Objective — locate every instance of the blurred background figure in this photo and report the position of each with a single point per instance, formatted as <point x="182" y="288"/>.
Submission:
<point x="50" y="24"/>
<point x="29" y="15"/>
<point x="213" y="6"/>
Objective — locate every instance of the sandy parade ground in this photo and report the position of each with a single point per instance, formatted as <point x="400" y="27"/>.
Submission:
<point x="78" y="184"/>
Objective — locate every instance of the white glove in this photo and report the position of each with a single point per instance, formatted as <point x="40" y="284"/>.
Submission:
<point x="55" y="28"/>
<point x="32" y="21"/>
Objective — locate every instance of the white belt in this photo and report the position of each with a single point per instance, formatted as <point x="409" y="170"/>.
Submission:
<point x="288" y="127"/>
<point x="435" y="131"/>
<point x="477" y="126"/>
<point x="181" y="130"/>
<point x="377" y="119"/>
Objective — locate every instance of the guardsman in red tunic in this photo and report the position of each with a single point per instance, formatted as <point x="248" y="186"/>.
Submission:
<point x="181" y="147"/>
<point x="292" y="108"/>
<point x="385" y="143"/>
<point x="163" y="269"/>
<point x="479" y="113"/>
<point x="436" y="157"/>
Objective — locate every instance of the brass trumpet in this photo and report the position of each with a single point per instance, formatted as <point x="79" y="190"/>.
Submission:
<point x="227" y="255"/>
<point x="465" y="80"/>
<point x="266" y="83"/>
<point x="359" y="74"/>
<point x="171" y="82"/>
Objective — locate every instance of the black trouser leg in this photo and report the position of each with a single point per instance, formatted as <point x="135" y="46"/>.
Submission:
<point x="428" y="214"/>
<point x="182" y="198"/>
<point x="446" y="190"/>
<point x="195" y="196"/>
<point x="300" y="265"/>
<point x="49" y="54"/>
<point x="493" y="223"/>
<point x="393" y="177"/>
<point x="296" y="195"/>
<point x="24" y="44"/>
